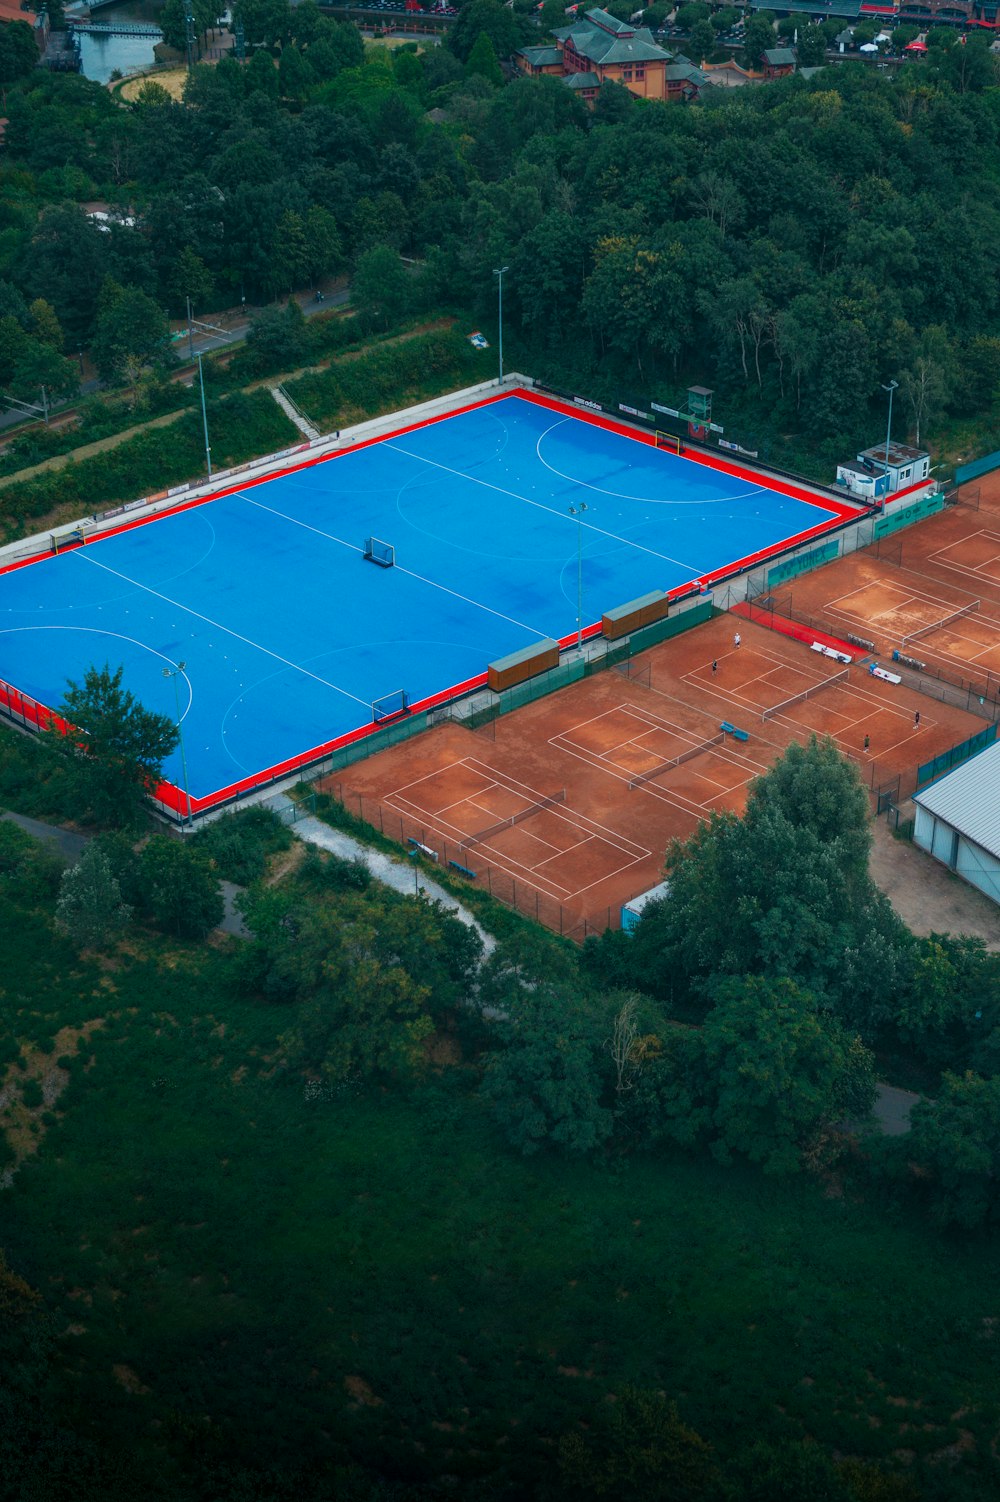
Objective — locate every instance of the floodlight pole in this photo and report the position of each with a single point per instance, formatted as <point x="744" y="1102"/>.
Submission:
<point x="888" y="430"/>
<point x="498" y="273"/>
<point x="204" y="417"/>
<point x="190" y="331"/>
<point x="175" y="673"/>
<point x="578" y="511"/>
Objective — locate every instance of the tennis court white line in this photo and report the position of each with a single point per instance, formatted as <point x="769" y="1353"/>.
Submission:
<point x="551" y="510"/>
<point x="477" y="604"/>
<point x="118" y="636"/>
<point x="247" y="641"/>
<point x="614" y="838"/>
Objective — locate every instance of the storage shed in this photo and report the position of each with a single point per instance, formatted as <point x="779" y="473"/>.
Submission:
<point x="633" y="909"/>
<point x="958" y="821"/>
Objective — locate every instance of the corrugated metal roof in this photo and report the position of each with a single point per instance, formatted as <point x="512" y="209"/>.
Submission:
<point x="969" y="799"/>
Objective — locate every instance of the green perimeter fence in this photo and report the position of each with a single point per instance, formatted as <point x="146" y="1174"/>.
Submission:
<point x="977" y="467"/>
<point x="452" y="855"/>
<point x="956" y="755"/>
<point x="523" y="693"/>
<point x="905" y="516"/>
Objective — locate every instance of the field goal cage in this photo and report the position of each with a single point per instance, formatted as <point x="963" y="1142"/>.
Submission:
<point x="390" y="707"/>
<point x="379" y="552"/>
<point x="670" y="441"/>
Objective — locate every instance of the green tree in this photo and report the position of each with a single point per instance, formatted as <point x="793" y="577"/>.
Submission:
<point x="366" y="975"/>
<point x="638" y="1450"/>
<point x="131" y="332"/>
<point x="18" y="53"/>
<point x="90" y="906"/>
<point x="759" y="36"/>
<point x="116" y="747"/>
<point x="45" y="325"/>
<point x="774" y="1074"/>
<point x="810" y="49"/>
<point x="30" y="869"/>
<point x="955" y="1141"/>
<point x="277" y="338"/>
<point x="189" y="278"/>
<point x="489" y="18"/>
<point x="547" y="1083"/>
<point x="180" y="891"/>
<point x="13" y="344"/>
<point x="172" y="20"/>
<point x="291" y="248"/>
<point x="266" y="21"/>
<point x="324" y="251"/>
<point x="381" y="286"/>
<point x="688" y="16"/>
<point x="701" y="40"/>
<point x="784" y="891"/>
<point x="39" y="365"/>
<point x="483" y="62"/>
<point x="295" y="73"/>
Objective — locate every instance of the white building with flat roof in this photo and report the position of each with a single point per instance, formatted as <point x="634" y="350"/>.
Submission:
<point x="958" y="821"/>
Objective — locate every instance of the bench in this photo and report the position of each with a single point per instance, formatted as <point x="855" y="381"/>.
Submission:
<point x="737" y="735"/>
<point x="462" y="870"/>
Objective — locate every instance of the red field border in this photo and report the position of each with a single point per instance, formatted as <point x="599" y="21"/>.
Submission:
<point x="177" y="801"/>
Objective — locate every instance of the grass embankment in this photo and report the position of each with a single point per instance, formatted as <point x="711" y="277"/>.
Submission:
<point x="240" y="1268"/>
<point x="243" y="424"/>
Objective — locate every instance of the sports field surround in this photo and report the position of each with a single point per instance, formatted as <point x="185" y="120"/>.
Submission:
<point x="266" y="592"/>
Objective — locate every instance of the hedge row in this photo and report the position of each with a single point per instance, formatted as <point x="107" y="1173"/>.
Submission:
<point x="387" y="378"/>
<point x="241" y="427"/>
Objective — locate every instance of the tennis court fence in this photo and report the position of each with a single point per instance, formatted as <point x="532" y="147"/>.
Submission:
<point x="458" y="864"/>
<point x="980" y="696"/>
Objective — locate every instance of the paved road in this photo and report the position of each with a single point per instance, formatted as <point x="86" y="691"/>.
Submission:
<point x="68" y="844"/>
<point x="401" y="875"/>
<point x="233" y="325"/>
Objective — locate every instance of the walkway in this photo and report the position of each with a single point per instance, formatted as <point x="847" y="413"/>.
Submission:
<point x="400" y="875"/>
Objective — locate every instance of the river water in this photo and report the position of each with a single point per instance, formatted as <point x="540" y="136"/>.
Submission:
<point x="100" y="56"/>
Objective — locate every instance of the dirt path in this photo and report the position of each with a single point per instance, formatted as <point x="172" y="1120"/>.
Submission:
<point x="87" y="450"/>
<point x="926" y="895"/>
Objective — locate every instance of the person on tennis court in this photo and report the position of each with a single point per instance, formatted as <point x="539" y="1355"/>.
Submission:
<point x="715" y="665"/>
<point x="867" y="743"/>
<point x="916" y="720"/>
<point x="736" y="639"/>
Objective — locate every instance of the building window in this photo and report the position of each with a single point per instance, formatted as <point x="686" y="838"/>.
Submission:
<point x="626" y="75"/>
<point x="640" y="73"/>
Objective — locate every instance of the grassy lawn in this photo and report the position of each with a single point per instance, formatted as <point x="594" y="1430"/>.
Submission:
<point x="238" y="1270"/>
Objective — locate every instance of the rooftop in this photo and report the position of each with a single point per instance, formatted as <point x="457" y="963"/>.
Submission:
<point x="899" y="454"/>
<point x="603" y="40"/>
<point x="969" y="799"/>
<point x="779" y="57"/>
<point x="541" y="57"/>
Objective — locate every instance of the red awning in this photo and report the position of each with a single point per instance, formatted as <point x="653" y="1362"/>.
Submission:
<point x="915" y="47"/>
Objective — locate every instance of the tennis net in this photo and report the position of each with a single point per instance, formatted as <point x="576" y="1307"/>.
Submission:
<point x="524" y="813"/>
<point x="807" y="693"/>
<point x="675" y="761"/>
<point x="945" y="620"/>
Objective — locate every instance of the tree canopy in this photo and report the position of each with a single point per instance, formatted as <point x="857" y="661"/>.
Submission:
<point x="115" y="745"/>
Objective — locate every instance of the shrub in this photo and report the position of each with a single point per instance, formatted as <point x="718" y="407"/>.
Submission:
<point x="31" y="1094"/>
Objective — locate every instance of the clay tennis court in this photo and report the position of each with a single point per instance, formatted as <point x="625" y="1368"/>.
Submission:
<point x="563" y="809"/>
<point x="931" y="591"/>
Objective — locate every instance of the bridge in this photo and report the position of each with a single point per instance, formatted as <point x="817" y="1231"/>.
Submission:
<point x="114" y="29"/>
